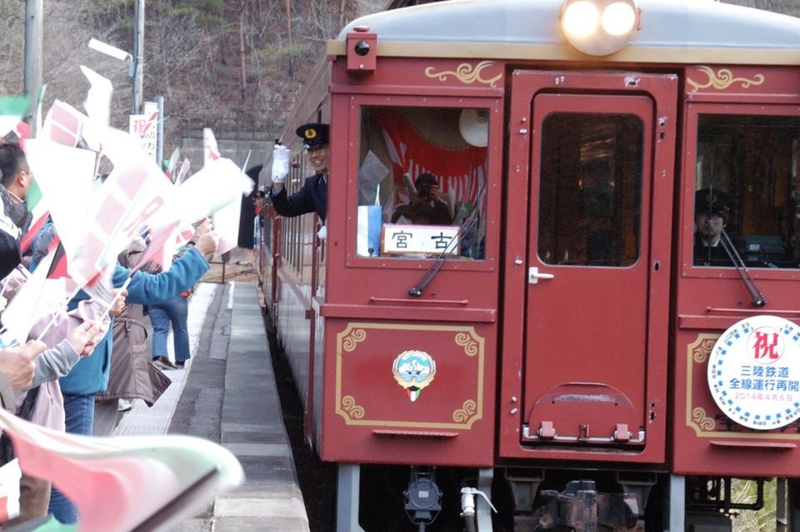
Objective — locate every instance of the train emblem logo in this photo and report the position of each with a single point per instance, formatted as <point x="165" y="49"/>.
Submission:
<point x="414" y="370"/>
<point x="754" y="372"/>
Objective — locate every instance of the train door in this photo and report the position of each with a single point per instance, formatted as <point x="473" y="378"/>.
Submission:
<point x="598" y="152"/>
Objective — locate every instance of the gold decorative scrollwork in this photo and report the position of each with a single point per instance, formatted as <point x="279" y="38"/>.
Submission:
<point x="469" y="344"/>
<point x="468" y="409"/>
<point x="353" y="410"/>
<point x="700" y="417"/>
<point x="350" y="341"/>
<point x="722" y="79"/>
<point x="466" y="74"/>
<point x="702" y="350"/>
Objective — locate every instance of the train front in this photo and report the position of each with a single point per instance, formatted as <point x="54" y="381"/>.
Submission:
<point x="569" y="265"/>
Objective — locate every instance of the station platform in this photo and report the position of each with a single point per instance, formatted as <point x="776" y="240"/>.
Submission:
<point x="227" y="394"/>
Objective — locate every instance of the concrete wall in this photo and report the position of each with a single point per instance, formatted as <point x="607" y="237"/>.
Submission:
<point x="235" y="149"/>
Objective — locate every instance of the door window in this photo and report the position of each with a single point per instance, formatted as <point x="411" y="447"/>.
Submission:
<point x="591" y="186"/>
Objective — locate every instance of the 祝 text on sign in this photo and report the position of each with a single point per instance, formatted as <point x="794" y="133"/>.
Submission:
<point x="145" y="127"/>
<point x="754" y="372"/>
<point x="426" y="239"/>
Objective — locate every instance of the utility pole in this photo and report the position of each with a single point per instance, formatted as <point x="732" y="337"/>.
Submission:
<point x="34" y="13"/>
<point x="138" y="59"/>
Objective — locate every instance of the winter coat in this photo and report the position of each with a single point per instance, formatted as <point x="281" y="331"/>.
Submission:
<point x="133" y="376"/>
<point x="58" y="360"/>
<point x="90" y="374"/>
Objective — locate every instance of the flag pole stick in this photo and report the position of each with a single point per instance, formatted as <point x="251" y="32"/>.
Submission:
<point x="47" y="327"/>
<point x="121" y="288"/>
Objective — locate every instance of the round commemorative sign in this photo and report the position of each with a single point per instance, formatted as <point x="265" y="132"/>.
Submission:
<point x="754" y="372"/>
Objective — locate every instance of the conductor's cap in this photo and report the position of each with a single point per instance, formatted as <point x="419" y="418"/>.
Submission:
<point x="314" y="135"/>
<point x="712" y="202"/>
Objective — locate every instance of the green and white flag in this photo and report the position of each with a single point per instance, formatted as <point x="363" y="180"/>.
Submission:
<point x="12" y="110"/>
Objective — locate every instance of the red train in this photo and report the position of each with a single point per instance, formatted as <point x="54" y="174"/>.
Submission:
<point x="601" y="330"/>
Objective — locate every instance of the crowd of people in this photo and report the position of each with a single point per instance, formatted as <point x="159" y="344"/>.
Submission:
<point x="83" y="362"/>
<point x="79" y="362"/>
<point x="81" y="365"/>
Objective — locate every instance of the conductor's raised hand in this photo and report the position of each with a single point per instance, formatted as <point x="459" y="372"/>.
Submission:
<point x="281" y="156"/>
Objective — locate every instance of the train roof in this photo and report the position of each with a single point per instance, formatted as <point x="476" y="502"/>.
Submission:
<point x="670" y="31"/>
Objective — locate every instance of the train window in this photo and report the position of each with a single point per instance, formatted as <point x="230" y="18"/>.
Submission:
<point x="590" y="189"/>
<point x="422" y="182"/>
<point x="746" y="208"/>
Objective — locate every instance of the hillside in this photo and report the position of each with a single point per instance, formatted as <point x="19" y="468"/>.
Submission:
<point x="236" y="66"/>
<point x="229" y="65"/>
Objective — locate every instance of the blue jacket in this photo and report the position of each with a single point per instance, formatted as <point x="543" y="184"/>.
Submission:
<point x="90" y="374"/>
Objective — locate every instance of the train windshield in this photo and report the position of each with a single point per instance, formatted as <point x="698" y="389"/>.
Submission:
<point x="746" y="208"/>
<point x="422" y="182"/>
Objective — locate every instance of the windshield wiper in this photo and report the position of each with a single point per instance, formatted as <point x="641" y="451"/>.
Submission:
<point x="425" y="280"/>
<point x="757" y="298"/>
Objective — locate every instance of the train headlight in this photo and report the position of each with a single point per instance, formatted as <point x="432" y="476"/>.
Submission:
<point x="599" y="27"/>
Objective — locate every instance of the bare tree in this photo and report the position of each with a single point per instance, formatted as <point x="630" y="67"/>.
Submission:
<point x="12" y="47"/>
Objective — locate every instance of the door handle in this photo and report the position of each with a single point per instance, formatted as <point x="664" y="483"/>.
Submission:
<point x="534" y="275"/>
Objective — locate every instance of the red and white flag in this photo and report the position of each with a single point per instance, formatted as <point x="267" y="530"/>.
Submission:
<point x="98" y="107"/>
<point x="149" y="481"/>
<point x="120" y="210"/>
<point x="10" y="475"/>
<point x="39" y="297"/>
<point x="63" y="124"/>
<point x="65" y="195"/>
<point x="216" y="185"/>
<point x="183" y="172"/>
<point x="161" y="247"/>
<point x="210" y="147"/>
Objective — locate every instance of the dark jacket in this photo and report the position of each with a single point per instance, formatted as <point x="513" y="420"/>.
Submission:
<point x="313" y="197"/>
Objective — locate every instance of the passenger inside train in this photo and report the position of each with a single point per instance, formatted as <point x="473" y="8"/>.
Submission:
<point x="712" y="214"/>
<point x="422" y="182"/>
<point x="425" y="206"/>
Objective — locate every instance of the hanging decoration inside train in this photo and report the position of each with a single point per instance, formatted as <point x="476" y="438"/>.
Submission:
<point x="414" y="370"/>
